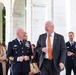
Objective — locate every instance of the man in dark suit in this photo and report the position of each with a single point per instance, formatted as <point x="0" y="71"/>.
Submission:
<point x="19" y="53"/>
<point x="71" y="55"/>
<point x="51" y="57"/>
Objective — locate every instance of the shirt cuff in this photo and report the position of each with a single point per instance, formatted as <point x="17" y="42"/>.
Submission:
<point x="18" y="59"/>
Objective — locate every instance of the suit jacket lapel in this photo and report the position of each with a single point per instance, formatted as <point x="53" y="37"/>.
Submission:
<point x="44" y="42"/>
<point x="54" y="41"/>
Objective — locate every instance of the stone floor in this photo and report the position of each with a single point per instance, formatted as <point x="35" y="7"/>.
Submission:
<point x="62" y="73"/>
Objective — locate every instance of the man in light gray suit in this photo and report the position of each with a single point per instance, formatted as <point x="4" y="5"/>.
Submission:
<point x="54" y="65"/>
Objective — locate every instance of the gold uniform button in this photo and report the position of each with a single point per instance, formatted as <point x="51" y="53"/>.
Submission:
<point x="22" y="47"/>
<point x="16" y="52"/>
<point x="27" y="51"/>
<point x="22" y="51"/>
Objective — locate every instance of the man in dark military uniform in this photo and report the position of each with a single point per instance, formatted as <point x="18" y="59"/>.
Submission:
<point x="71" y="55"/>
<point x="19" y="53"/>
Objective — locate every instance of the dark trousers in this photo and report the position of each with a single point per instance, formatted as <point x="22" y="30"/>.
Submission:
<point x="1" y="71"/>
<point x="17" y="73"/>
<point x="69" y="67"/>
<point x="48" y="68"/>
<point x="7" y="67"/>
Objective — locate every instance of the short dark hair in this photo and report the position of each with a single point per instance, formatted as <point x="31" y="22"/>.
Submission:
<point x="33" y="45"/>
<point x="71" y="32"/>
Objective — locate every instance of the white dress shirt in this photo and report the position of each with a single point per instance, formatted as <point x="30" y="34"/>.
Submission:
<point x="19" y="40"/>
<point x="52" y="39"/>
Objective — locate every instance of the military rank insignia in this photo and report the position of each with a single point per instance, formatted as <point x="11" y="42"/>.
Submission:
<point x="11" y="58"/>
<point x="15" y="45"/>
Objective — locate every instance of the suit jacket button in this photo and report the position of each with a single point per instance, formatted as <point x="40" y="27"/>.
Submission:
<point x="27" y="51"/>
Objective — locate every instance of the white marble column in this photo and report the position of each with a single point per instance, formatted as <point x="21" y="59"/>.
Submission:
<point x="0" y="24"/>
<point x="28" y="24"/>
<point x="8" y="24"/>
<point x="49" y="10"/>
<point x="68" y="16"/>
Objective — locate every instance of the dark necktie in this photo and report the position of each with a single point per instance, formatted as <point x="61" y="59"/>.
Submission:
<point x="71" y="43"/>
<point x="21" y="43"/>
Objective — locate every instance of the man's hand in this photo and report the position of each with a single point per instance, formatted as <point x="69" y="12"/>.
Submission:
<point x="21" y="58"/>
<point x="61" y="66"/>
<point x="26" y="58"/>
<point x="44" y="50"/>
<point x="70" y="53"/>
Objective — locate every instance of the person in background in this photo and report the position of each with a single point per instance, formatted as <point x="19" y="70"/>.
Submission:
<point x="2" y="60"/>
<point x="4" y="46"/>
<point x="34" y="52"/>
<point x="26" y="42"/>
<point x="8" y="63"/>
<point x="1" y="53"/>
<point x="71" y="54"/>
<point x="25" y="37"/>
<point x="19" y="53"/>
<point x="33" y="47"/>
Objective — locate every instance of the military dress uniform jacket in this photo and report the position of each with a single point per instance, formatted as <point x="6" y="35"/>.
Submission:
<point x="14" y="51"/>
<point x="72" y="58"/>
